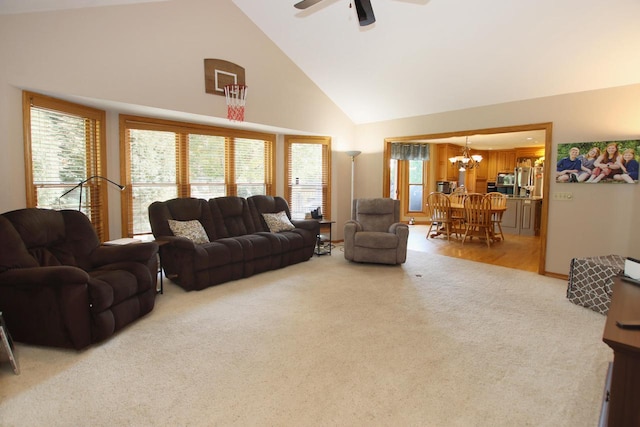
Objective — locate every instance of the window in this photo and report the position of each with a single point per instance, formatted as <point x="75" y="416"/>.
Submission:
<point x="416" y="185"/>
<point x="64" y="146"/>
<point x="307" y="175"/>
<point x="166" y="159"/>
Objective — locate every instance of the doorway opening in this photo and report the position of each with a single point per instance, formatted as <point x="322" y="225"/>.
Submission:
<point x="501" y="135"/>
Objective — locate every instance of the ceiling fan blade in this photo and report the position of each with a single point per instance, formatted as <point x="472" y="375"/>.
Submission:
<point x="305" y="4"/>
<point x="365" y="12"/>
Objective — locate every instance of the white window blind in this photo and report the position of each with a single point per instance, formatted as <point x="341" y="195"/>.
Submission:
<point x="251" y="163"/>
<point x="153" y="172"/>
<point x="207" y="166"/>
<point x="174" y="159"/>
<point x="308" y="175"/>
<point x="65" y="142"/>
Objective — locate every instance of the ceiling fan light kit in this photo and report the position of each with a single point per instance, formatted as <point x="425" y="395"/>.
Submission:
<point x="365" y="12"/>
<point x="363" y="9"/>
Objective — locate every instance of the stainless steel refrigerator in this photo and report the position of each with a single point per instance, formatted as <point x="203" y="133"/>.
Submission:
<point x="528" y="181"/>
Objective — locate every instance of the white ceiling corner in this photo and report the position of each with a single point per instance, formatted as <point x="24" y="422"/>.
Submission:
<point x="429" y="56"/>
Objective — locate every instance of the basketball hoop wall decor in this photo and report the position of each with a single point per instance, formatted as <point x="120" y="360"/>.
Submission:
<point x="227" y="79"/>
<point x="236" y="98"/>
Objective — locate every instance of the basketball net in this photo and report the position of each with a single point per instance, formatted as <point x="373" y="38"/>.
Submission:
<point x="236" y="98"/>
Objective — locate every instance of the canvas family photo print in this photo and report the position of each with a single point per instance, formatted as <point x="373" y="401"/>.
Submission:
<point x="598" y="162"/>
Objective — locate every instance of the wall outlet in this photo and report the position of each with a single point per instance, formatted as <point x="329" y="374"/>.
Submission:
<point x="562" y="196"/>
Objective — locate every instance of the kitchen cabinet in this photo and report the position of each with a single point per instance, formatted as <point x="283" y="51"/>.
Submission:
<point x="522" y="216"/>
<point x="483" y="167"/>
<point x="441" y="162"/>
<point x="500" y="161"/>
<point x="444" y="170"/>
<point x="506" y="160"/>
<point x="530" y="152"/>
<point x="530" y="217"/>
<point x="492" y="165"/>
<point x="510" y="223"/>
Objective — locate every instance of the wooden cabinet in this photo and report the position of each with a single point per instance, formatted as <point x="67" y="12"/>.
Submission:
<point x="483" y="168"/>
<point x="623" y="392"/>
<point x="500" y="161"/>
<point x="506" y="160"/>
<point x="441" y="162"/>
<point x="492" y="165"/>
<point x="530" y="152"/>
<point x="444" y="170"/>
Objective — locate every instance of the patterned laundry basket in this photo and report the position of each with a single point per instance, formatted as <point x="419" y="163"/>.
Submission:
<point x="590" y="281"/>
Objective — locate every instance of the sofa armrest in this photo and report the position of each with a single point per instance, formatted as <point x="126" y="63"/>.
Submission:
<point x="307" y="224"/>
<point x="399" y="228"/>
<point x="138" y="252"/>
<point x="44" y="276"/>
<point x="351" y="227"/>
<point x="179" y="242"/>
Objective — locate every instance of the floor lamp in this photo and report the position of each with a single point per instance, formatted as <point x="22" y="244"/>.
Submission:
<point x="353" y="155"/>
<point x="81" y="184"/>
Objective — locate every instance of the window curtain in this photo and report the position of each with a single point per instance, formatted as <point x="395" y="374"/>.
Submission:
<point x="409" y="151"/>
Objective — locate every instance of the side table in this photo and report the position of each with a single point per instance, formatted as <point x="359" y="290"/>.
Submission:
<point x="324" y="224"/>
<point x="160" y="244"/>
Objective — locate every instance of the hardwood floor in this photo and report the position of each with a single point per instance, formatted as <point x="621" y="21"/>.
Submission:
<point x="519" y="252"/>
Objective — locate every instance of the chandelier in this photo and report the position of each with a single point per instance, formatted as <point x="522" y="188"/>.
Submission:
<point x="466" y="160"/>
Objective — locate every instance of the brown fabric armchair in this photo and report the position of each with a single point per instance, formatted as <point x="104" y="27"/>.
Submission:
<point x="59" y="287"/>
<point x="375" y="233"/>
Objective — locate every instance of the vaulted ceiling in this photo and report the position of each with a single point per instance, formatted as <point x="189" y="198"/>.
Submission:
<point x="429" y="56"/>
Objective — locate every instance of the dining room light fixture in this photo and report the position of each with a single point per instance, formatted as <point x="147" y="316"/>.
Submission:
<point x="466" y="160"/>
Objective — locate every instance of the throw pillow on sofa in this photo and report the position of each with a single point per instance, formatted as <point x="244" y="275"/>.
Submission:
<point x="192" y="230"/>
<point x="278" y="222"/>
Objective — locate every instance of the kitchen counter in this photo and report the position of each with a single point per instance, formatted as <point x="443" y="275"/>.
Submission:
<point x="511" y="196"/>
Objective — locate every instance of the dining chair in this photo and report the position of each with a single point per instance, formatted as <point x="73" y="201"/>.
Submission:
<point x="457" y="209"/>
<point x="497" y="200"/>
<point x="477" y="210"/>
<point x="461" y="189"/>
<point x="440" y="212"/>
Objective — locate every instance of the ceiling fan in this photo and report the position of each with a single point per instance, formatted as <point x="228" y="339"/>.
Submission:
<point x="363" y="7"/>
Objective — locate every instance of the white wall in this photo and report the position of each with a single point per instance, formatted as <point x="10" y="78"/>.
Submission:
<point x="152" y="55"/>
<point x="601" y="219"/>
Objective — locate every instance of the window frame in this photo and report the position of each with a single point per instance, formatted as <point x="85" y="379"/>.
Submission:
<point x="325" y="141"/>
<point x="182" y="131"/>
<point x="97" y="188"/>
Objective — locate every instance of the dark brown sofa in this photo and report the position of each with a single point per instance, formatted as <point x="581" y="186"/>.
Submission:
<point x="60" y="287"/>
<point x="238" y="241"/>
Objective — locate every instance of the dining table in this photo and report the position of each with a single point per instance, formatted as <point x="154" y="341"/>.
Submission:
<point x="457" y="210"/>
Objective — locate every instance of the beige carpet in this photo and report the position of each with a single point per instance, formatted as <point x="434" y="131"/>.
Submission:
<point x="436" y="342"/>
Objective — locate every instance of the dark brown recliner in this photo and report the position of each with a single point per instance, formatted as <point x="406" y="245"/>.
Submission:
<point x="59" y="287"/>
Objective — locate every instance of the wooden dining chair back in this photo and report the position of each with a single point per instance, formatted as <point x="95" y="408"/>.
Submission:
<point x="497" y="200"/>
<point x="457" y="209"/>
<point x="457" y="198"/>
<point x="477" y="211"/>
<point x="440" y="212"/>
<point x="461" y="189"/>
